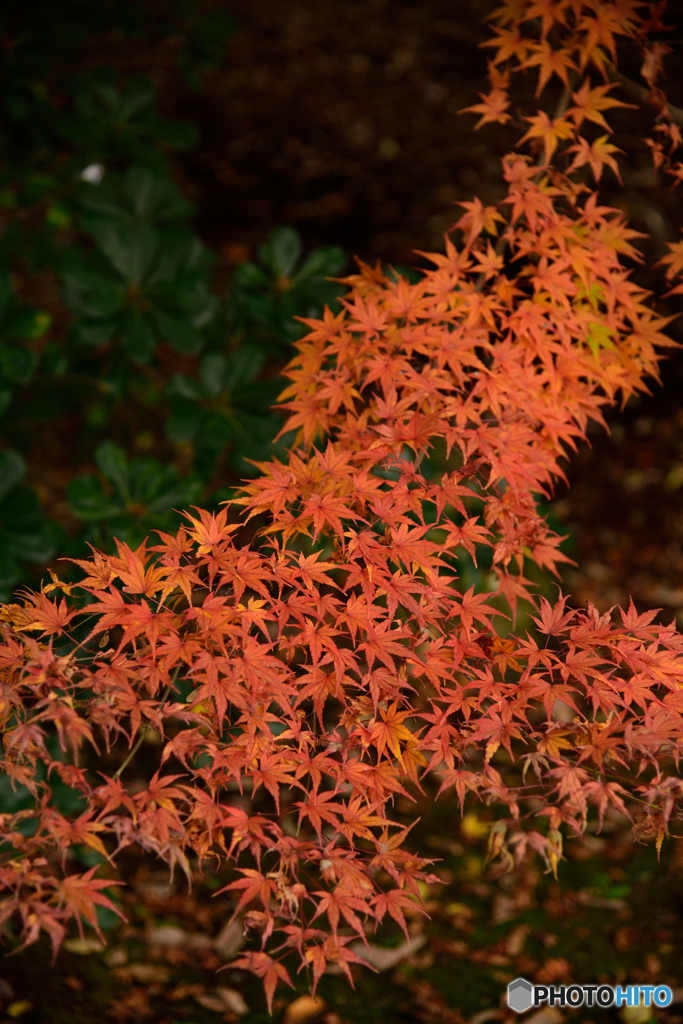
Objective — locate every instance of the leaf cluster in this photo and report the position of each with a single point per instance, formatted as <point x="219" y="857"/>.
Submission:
<point x="312" y="646"/>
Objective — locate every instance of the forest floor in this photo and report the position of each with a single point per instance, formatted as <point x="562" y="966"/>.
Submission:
<point x="343" y="121"/>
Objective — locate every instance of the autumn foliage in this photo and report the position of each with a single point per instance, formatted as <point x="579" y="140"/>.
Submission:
<point x="311" y="646"/>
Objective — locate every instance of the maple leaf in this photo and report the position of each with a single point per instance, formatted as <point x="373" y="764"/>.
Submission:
<point x="550" y="131"/>
<point x="508" y="43"/>
<point x="673" y="260"/>
<point x="341" y="902"/>
<point x="390" y="731"/>
<point x="493" y="108"/>
<point x="589" y="102"/>
<point x="597" y="154"/>
<point x="604" y="794"/>
<point x="271" y="971"/>
<point x="478" y="218"/>
<point x="553" y="619"/>
<point x="210" y="529"/>
<point x="473" y="608"/>
<point x="48" y="616"/>
<point x="255" y="886"/>
<point x="394" y="903"/>
<point x="653" y="65"/>
<point x="80" y="894"/>
<point x="99" y="569"/>
<point x="130" y="569"/>
<point x="549" y="62"/>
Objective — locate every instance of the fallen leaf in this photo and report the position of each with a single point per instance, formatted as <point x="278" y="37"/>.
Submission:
<point x="635" y="1014"/>
<point x="473" y="828"/>
<point x="485" y="1015"/>
<point x="223" y="1000"/>
<point x="233" y="1000"/>
<point x="384" y="959"/>
<point x="303" y="1009"/>
<point x="149" y="974"/>
<point x="229" y="940"/>
<point x="6" y="991"/>
<point x="553" y="969"/>
<point x="116" y="957"/>
<point x="458" y="910"/>
<point x="514" y="943"/>
<point x="182" y="991"/>
<point x="546" y="1015"/>
<point x="586" y="899"/>
<point x="84" y="947"/>
<point x="211" y="1002"/>
<point x="19" y="1007"/>
<point x="166" y="935"/>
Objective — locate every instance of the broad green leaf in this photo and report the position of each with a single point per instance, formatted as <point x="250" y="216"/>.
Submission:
<point x="17" y="363"/>
<point x="54" y="359"/>
<point x="5" y="291"/>
<point x="250" y="275"/>
<point x="88" y="500"/>
<point x="184" y="421"/>
<point x="326" y="261"/>
<point x="282" y="252"/>
<point x="91" y="295"/>
<point x="130" y="248"/>
<point x="153" y="197"/>
<point x="92" y="334"/>
<point x="213" y="371"/>
<point x="24" y="529"/>
<point x="112" y="462"/>
<point x="181" y="336"/>
<point x="12" y="469"/>
<point x="137" y="335"/>
<point x="244" y="365"/>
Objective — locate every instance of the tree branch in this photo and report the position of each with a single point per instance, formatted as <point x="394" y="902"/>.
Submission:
<point x="640" y="93"/>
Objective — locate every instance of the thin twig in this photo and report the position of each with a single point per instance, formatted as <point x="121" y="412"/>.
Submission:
<point x="640" y="93"/>
<point x="143" y="732"/>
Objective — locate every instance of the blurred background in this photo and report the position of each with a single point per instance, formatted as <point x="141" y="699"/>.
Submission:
<point x="177" y="182"/>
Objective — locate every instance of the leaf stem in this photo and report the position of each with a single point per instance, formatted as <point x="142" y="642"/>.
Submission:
<point x="143" y="732"/>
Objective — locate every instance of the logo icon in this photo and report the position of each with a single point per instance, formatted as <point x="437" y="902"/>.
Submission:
<point x="520" y="995"/>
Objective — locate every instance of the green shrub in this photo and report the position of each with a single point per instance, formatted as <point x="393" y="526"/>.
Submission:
<point x="139" y="352"/>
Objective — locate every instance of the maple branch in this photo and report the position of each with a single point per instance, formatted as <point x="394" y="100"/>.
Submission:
<point x="143" y="732"/>
<point x="640" y="93"/>
<point x="562" y="105"/>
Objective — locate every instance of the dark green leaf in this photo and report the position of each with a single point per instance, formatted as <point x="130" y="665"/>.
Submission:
<point x="17" y="363"/>
<point x="90" y="294"/>
<point x="185" y="387"/>
<point x="24" y="529"/>
<point x="137" y="335"/>
<point x="88" y="500"/>
<point x="12" y="469"/>
<point x="184" y="421"/>
<point x="282" y="252"/>
<point x="181" y="336"/>
<point x="327" y="261"/>
<point x="130" y="248"/>
<point x="213" y="371"/>
<point x="92" y="334"/>
<point x="112" y="462"/>
<point x="250" y="275"/>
